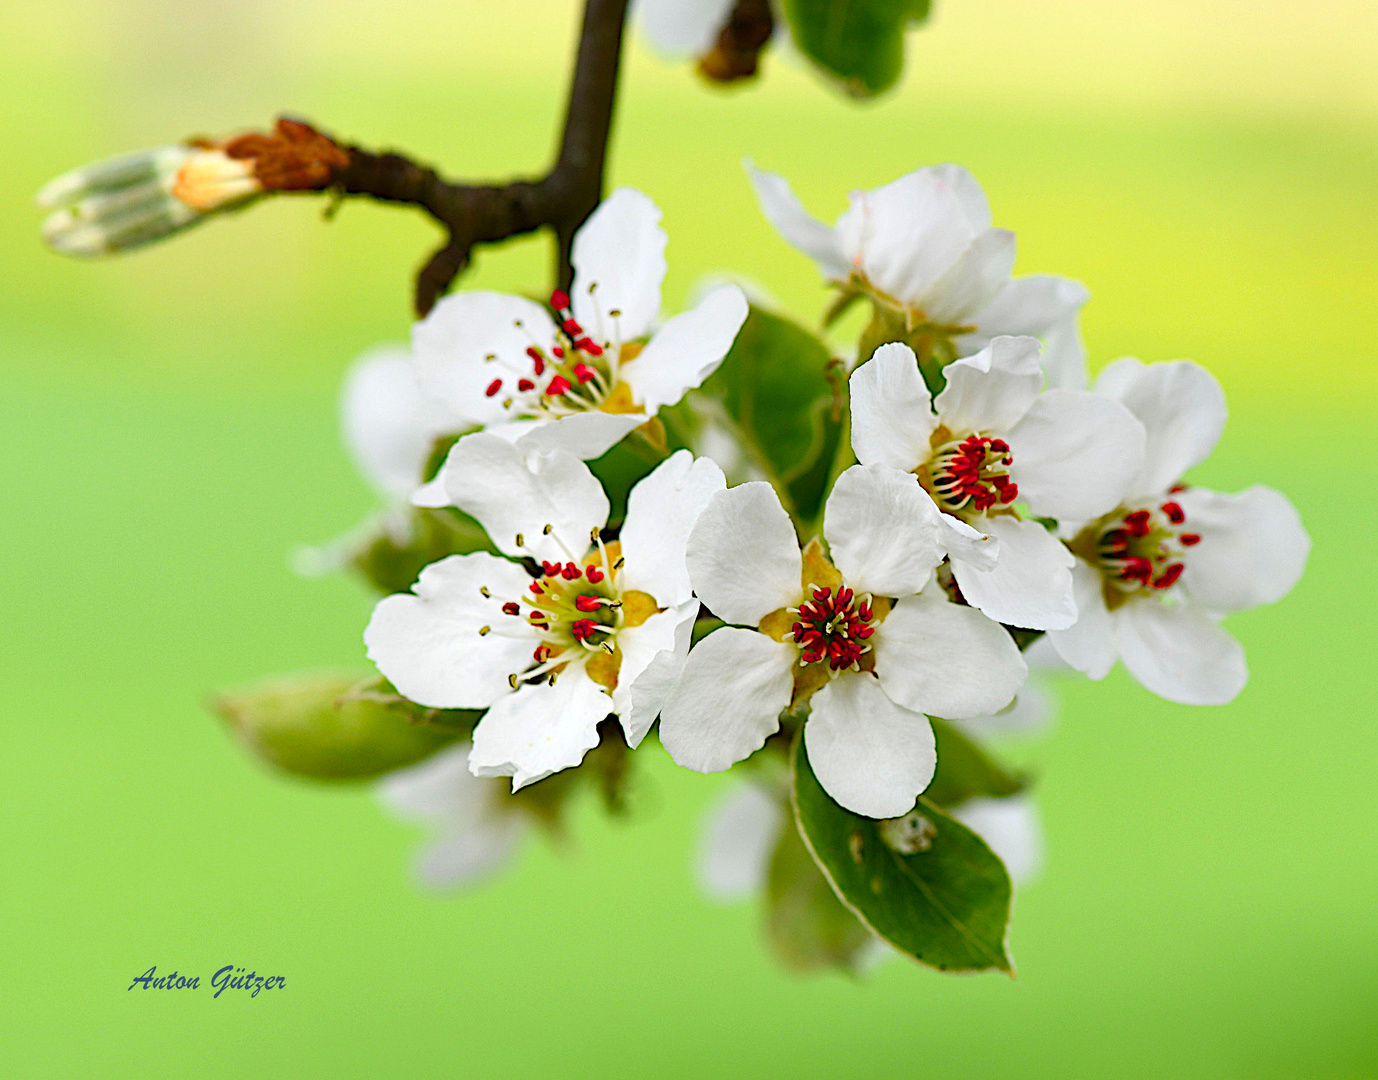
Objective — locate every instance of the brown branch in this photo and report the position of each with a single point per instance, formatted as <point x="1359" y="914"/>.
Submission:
<point x="483" y="214"/>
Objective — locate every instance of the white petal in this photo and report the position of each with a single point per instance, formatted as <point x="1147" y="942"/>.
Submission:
<point x="1030" y="305"/>
<point x="1075" y="454"/>
<point x="1031" y="583"/>
<point x="619" y="264"/>
<point x="540" y="729"/>
<point x="992" y="390"/>
<point x="661" y="512"/>
<point x="728" y="699"/>
<point x="510" y="496"/>
<point x="973" y="280"/>
<point x="910" y="232"/>
<point x="1253" y="547"/>
<point x="586" y="435"/>
<point x="940" y="658"/>
<point x="1029" y="714"/>
<point x="428" y="643"/>
<point x="1183" y="412"/>
<point x="439" y="789"/>
<point x="471" y="338"/>
<point x="743" y="555"/>
<point x="1180" y="653"/>
<point x="686" y="350"/>
<point x="892" y="414"/>
<point x="653" y="656"/>
<point x="978" y="550"/>
<point x="739" y="834"/>
<point x="389" y="427"/>
<point x="797" y="226"/>
<point x="464" y="858"/>
<point x="871" y="755"/>
<point x="882" y="530"/>
<point x="1089" y="643"/>
<point x="1064" y="355"/>
<point x="1010" y="828"/>
<point x="683" y="29"/>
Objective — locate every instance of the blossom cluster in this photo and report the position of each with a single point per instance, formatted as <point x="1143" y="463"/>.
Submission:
<point x="988" y="494"/>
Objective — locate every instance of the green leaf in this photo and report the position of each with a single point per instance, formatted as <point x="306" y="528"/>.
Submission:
<point x="925" y="883"/>
<point x="774" y="386"/>
<point x="966" y="771"/>
<point x="859" y="42"/>
<point x="807" y="926"/>
<point x="333" y="726"/>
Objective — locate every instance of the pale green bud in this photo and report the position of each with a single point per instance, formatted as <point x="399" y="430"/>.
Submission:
<point x="332" y="726"/>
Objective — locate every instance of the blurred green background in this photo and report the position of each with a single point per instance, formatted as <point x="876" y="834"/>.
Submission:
<point x="1210" y="171"/>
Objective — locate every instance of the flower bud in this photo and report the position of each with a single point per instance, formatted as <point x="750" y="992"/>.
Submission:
<point x="335" y="726"/>
<point x="126" y="202"/>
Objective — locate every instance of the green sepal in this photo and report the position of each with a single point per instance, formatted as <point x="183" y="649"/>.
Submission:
<point x="338" y="726"/>
<point x="391" y="566"/>
<point x="965" y="771"/>
<point x="860" y="43"/>
<point x="778" y="388"/>
<point x="925" y="883"/>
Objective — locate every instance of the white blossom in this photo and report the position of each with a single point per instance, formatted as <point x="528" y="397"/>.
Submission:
<point x="990" y="443"/>
<point x="826" y="632"/>
<point x="583" y="380"/>
<point x="601" y="632"/>
<point x="924" y="246"/>
<point x="476" y="828"/>
<point x="1156" y="573"/>
<point x="683" y="29"/>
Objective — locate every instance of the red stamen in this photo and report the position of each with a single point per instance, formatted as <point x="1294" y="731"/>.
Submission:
<point x="572" y="328"/>
<point x="583" y="629"/>
<point x="511" y="609"/>
<point x="557" y="386"/>
<point x="525" y="384"/>
<point x="584" y="373"/>
<point x="571" y="572"/>
<point x="588" y="603"/>
<point x="1137" y="523"/>
<point x="1168" y="577"/>
<point x="551" y="569"/>
<point x="594" y="574"/>
<point x="1174" y="512"/>
<point x="559" y="300"/>
<point x="1190" y="539"/>
<point x="493" y="387"/>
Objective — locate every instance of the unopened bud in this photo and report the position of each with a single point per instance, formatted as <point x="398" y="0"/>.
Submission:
<point x="324" y="726"/>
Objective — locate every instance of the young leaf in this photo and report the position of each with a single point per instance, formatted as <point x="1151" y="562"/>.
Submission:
<point x="859" y="42"/>
<point x="966" y="771"/>
<point x="774" y="387"/>
<point x="924" y="882"/>
<point x="807" y="926"/>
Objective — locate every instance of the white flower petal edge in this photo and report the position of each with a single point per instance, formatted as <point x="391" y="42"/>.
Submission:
<point x="687" y="349"/>
<point x="743" y="555"/>
<point x="728" y="699"/>
<point x="619" y="264"/>
<point x="1030" y="584"/>
<point x="428" y="644"/>
<point x="784" y="210"/>
<point x="652" y="658"/>
<point x="892" y="413"/>
<point x="1180" y="653"/>
<point x="538" y="730"/>
<point x="871" y="755"/>
<point x="1088" y="644"/>
<point x="586" y="435"/>
<point x="883" y="531"/>
<point x="739" y="832"/>
<point x="661" y="512"/>
<point x="943" y="659"/>
<point x="1253" y="548"/>
<point x="511" y="495"/>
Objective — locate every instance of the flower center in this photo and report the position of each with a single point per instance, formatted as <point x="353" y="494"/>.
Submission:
<point x="971" y="474"/>
<point x="1140" y="550"/>
<point x="572" y="374"/>
<point x="833" y="627"/>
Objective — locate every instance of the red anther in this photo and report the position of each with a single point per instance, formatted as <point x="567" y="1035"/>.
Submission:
<point x="822" y="594"/>
<point x="1000" y="446"/>
<point x="559" y="300"/>
<point x="572" y="328"/>
<point x="558" y="351"/>
<point x="1117" y="540"/>
<point x="493" y="387"/>
<point x="1189" y="539"/>
<point x="584" y="373"/>
<point x="588" y="346"/>
<point x="588" y="603"/>
<point x="1137" y="568"/>
<point x="510" y="608"/>
<point x="844" y="596"/>
<point x="1174" y="512"/>
<point x="540" y="653"/>
<point x="864" y="632"/>
<point x="534" y="353"/>
<point x="525" y="384"/>
<point x="571" y="572"/>
<point x="1176" y="488"/>
<point x="865" y="611"/>
<point x="583" y="629"/>
<point x="536" y="588"/>
<point x="594" y="574"/>
<point x="1168" y="577"/>
<point x="540" y="365"/>
<point x="551" y="569"/>
<point x="557" y="386"/>
<point x="1137" y="524"/>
